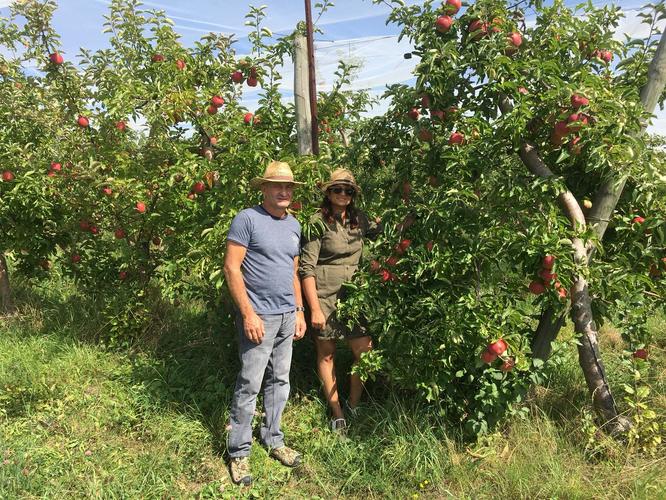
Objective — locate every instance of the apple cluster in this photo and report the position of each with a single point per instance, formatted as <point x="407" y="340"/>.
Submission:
<point x="496" y="350"/>
<point x="574" y="122"/>
<point x="547" y="279"/>
<point x="246" y="72"/>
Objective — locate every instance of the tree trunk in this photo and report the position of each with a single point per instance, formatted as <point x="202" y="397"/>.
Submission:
<point x="588" y="349"/>
<point x="609" y="192"/>
<point x="546" y="333"/>
<point x="6" y="304"/>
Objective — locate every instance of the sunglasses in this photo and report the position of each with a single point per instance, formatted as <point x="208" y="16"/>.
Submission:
<point x="339" y="190"/>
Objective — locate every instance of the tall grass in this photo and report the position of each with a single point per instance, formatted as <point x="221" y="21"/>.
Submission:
<point x="148" y="421"/>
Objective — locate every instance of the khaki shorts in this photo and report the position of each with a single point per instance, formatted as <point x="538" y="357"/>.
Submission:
<point x="337" y="330"/>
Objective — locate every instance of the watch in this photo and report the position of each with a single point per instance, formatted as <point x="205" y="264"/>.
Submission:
<point x="300" y="309"/>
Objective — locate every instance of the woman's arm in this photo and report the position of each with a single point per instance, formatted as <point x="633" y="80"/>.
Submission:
<point x="317" y="317"/>
<point x="308" y="263"/>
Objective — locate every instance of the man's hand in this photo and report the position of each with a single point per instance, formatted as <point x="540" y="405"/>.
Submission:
<point x="318" y="319"/>
<point x="300" y="325"/>
<point x="253" y="326"/>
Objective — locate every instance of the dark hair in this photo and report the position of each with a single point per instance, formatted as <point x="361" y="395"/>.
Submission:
<point x="327" y="211"/>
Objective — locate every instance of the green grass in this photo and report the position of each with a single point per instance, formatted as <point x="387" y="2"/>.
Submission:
<point x="80" y="421"/>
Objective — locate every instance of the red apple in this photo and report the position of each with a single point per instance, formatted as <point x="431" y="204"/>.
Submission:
<point x="547" y="276"/>
<point x="498" y="347"/>
<point x="76" y="258"/>
<point x="211" y="110"/>
<point x="425" y="135"/>
<point x="562" y="292"/>
<point x="438" y="113"/>
<point x="157" y="241"/>
<point x="536" y="287"/>
<point x="477" y="29"/>
<point x="386" y="275"/>
<point x="191" y="196"/>
<point x="414" y="113"/>
<point x="217" y="101"/>
<point x="561" y="129"/>
<point x="429" y="246"/>
<point x="122" y="275"/>
<point x="213" y="140"/>
<point x="237" y="77"/>
<point x="638" y="220"/>
<point x="107" y="191"/>
<point x="402" y="246"/>
<point x="577" y="121"/>
<point x="296" y="205"/>
<point x="247" y="118"/>
<point x="7" y="176"/>
<point x="443" y="23"/>
<point x="375" y="266"/>
<point x="198" y="187"/>
<point x="578" y="100"/>
<point x="515" y="39"/>
<point x="84" y="225"/>
<point x="456" y="138"/>
<point x="121" y="125"/>
<point x="119" y="233"/>
<point x="508" y="365"/>
<point x="452" y="7"/>
<point x="157" y="58"/>
<point x="425" y="100"/>
<point x="252" y="81"/>
<point x="56" y="59"/>
<point x="83" y="121"/>
<point x="180" y="64"/>
<point x="140" y="207"/>
<point x="56" y="166"/>
<point x="392" y="261"/>
<point x="523" y="90"/>
<point x="548" y="262"/>
<point x="94" y="229"/>
<point x="488" y="357"/>
<point x="640" y="354"/>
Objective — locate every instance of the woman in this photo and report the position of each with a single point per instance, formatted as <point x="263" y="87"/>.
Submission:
<point x="328" y="259"/>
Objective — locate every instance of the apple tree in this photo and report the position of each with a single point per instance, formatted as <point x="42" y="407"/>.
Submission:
<point x="519" y="188"/>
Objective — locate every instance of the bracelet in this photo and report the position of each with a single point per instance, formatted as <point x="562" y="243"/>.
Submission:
<point x="300" y="309"/>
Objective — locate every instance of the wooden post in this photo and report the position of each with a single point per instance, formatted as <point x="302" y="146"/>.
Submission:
<point x="6" y="304"/>
<point x="312" y="79"/>
<point x="302" y="96"/>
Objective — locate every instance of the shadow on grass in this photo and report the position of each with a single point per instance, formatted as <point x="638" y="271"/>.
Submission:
<point x="186" y="360"/>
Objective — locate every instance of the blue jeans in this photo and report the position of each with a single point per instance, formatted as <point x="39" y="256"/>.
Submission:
<point x="268" y="362"/>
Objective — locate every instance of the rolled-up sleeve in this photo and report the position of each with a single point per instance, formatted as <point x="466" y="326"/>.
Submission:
<point x="309" y="257"/>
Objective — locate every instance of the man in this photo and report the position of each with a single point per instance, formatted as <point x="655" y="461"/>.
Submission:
<point x="260" y="266"/>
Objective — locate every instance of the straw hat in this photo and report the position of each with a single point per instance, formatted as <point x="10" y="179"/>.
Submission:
<point x="276" y="171"/>
<point x="340" y="176"/>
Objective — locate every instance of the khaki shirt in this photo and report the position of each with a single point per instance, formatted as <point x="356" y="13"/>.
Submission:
<point x="333" y="257"/>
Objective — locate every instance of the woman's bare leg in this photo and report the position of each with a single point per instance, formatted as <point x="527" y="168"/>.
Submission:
<point x="326" y="369"/>
<point x="358" y="346"/>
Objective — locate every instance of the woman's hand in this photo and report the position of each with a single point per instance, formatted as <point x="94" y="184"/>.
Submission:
<point x="318" y="319"/>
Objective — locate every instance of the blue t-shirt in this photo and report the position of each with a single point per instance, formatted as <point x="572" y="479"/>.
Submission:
<point x="268" y="266"/>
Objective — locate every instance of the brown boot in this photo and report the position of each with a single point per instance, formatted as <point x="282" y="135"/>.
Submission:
<point x="240" y="470"/>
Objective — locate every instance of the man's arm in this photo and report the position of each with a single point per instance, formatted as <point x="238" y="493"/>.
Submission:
<point x="252" y="324"/>
<point x="300" y="315"/>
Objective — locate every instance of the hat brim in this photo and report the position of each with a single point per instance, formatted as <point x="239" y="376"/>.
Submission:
<point x="258" y="181"/>
<point x="344" y="182"/>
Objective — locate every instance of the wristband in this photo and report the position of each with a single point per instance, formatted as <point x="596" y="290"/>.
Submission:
<point x="300" y="309"/>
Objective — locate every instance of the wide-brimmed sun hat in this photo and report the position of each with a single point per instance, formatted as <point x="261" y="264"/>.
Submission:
<point x="342" y="177"/>
<point x="276" y="171"/>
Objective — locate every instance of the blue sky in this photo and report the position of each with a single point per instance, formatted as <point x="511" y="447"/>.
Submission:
<point x="352" y="30"/>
